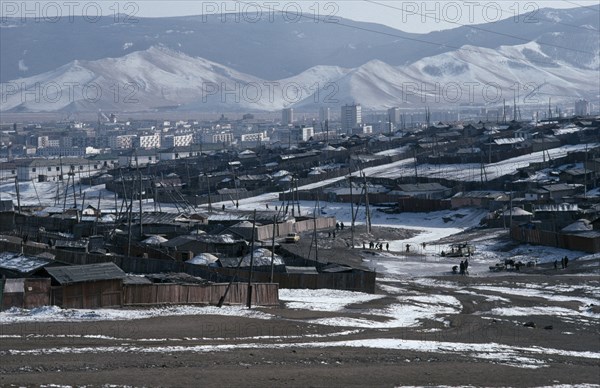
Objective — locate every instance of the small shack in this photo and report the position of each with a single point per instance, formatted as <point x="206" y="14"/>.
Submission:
<point x="87" y="286"/>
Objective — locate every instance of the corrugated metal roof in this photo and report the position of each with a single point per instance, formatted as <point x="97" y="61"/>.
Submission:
<point x="301" y="270"/>
<point x="20" y="263"/>
<point x="86" y="273"/>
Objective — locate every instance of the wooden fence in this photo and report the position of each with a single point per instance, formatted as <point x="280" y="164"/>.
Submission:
<point x="583" y="242"/>
<point x="263" y="294"/>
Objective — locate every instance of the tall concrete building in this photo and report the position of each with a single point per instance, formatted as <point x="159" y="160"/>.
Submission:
<point x="394" y="115"/>
<point x="582" y="108"/>
<point x="287" y="116"/>
<point x="351" y="117"/>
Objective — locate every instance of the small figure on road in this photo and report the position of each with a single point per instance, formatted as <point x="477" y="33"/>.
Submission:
<point x="387" y="246"/>
<point x="407" y="247"/>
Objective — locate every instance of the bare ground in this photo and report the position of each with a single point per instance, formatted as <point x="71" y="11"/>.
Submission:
<point x="290" y="349"/>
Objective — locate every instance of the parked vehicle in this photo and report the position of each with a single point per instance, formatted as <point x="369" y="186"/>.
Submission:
<point x="292" y="238"/>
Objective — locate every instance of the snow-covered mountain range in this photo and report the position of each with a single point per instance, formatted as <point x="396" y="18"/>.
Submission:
<point x="536" y="61"/>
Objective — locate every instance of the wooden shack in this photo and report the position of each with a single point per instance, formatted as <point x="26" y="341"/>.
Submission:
<point x="24" y="293"/>
<point x="87" y="286"/>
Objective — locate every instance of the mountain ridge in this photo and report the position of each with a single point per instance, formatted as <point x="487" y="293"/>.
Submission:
<point x="161" y="77"/>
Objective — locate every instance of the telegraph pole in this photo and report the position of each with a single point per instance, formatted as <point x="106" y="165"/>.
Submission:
<point x="249" y="304"/>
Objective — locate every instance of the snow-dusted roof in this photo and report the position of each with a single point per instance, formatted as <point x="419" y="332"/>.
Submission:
<point x="509" y="140"/>
<point x="581" y="225"/>
<point x="154" y="240"/>
<point x="203" y="259"/>
<point x="21" y="263"/>
<point x="516" y="212"/>
<point x="262" y="256"/>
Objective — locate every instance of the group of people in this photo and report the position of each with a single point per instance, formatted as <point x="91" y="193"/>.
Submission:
<point x="463" y="267"/>
<point x="564" y="263"/>
<point x="377" y="245"/>
<point x="339" y="225"/>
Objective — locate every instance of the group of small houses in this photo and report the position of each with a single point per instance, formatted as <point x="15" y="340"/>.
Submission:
<point x="178" y="259"/>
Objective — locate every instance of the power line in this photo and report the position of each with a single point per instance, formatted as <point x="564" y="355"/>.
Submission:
<point x="424" y="41"/>
<point x="480" y="29"/>
<point x="584" y="6"/>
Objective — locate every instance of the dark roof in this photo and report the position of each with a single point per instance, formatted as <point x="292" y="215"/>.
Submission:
<point x="132" y="279"/>
<point x="86" y="273"/>
<point x="335" y="268"/>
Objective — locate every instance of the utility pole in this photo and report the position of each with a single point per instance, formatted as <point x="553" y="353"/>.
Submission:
<point x="140" y="202"/>
<point x="249" y="304"/>
<point x="315" y="235"/>
<point x="209" y="199"/>
<point x="18" y="194"/>
<point x="368" y="212"/>
<point x="298" y="197"/>
<point x="273" y="248"/>
<point x="351" y="211"/>
<point x="416" y="170"/>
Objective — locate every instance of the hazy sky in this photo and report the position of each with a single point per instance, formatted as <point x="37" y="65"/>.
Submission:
<point x="413" y="16"/>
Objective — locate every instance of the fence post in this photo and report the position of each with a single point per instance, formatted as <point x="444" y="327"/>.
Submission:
<point x="2" y="282"/>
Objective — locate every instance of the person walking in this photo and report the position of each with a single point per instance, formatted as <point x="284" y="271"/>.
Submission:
<point x="462" y="268"/>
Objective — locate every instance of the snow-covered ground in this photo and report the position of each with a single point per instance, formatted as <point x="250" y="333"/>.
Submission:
<point x="409" y="298"/>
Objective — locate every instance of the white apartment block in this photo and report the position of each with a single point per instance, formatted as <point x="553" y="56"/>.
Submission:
<point x="177" y="140"/>
<point x="147" y="141"/>
<point x="42" y="170"/>
<point x="219" y="137"/>
<point x="121" y="142"/>
<point x="253" y="137"/>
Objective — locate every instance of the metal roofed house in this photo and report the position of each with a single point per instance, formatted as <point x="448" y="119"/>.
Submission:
<point x="560" y="190"/>
<point x="87" y="286"/>
<point x="423" y="190"/>
<point x="71" y="274"/>
<point x="17" y="265"/>
<point x="481" y="199"/>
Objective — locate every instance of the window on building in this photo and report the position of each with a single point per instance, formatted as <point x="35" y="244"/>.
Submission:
<point x="49" y="168"/>
<point x="33" y="169"/>
<point x="57" y="168"/>
<point x="95" y="166"/>
<point x="81" y="167"/>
